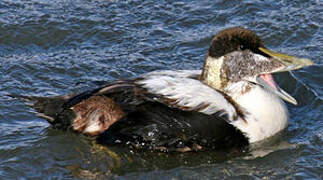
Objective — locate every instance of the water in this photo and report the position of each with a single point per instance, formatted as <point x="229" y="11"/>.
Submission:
<point x="54" y="47"/>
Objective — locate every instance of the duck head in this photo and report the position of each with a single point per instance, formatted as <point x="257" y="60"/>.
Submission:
<point x="238" y="55"/>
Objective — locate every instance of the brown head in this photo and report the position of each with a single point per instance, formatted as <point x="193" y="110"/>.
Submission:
<point x="238" y="55"/>
<point x="234" y="39"/>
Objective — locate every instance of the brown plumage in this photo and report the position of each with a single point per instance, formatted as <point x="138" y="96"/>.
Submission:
<point x="95" y="115"/>
<point x="233" y="39"/>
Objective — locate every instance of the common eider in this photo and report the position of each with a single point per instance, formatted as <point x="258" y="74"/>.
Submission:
<point x="232" y="102"/>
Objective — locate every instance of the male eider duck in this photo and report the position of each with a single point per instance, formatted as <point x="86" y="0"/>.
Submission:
<point x="234" y="101"/>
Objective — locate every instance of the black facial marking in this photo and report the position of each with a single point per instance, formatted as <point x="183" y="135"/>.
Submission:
<point x="235" y="39"/>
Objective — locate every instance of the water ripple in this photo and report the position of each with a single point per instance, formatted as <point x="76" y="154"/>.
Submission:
<point x="63" y="46"/>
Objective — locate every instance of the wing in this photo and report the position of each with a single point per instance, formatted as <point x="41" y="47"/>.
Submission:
<point x="95" y="111"/>
<point x="181" y="112"/>
<point x="177" y="89"/>
<point x="183" y="90"/>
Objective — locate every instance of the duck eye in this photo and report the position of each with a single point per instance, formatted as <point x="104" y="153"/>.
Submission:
<point x="242" y="47"/>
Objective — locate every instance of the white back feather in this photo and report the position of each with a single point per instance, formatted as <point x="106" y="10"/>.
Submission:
<point x="188" y="92"/>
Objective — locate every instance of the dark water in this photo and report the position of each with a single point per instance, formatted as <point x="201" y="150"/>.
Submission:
<point x="54" y="47"/>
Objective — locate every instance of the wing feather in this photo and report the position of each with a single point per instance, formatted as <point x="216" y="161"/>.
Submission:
<point x="182" y="89"/>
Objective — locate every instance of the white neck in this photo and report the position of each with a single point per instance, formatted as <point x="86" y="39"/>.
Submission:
<point x="267" y="114"/>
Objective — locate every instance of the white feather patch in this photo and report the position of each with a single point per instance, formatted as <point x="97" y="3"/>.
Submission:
<point x="267" y="114"/>
<point x="187" y="92"/>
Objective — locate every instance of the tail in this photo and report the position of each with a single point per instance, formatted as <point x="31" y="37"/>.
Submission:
<point x="46" y="107"/>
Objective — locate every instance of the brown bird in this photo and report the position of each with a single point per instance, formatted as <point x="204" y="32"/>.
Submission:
<point x="232" y="102"/>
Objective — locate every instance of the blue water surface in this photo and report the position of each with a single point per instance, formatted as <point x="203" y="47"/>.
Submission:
<point x="55" y="47"/>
